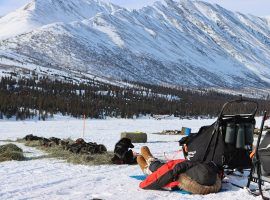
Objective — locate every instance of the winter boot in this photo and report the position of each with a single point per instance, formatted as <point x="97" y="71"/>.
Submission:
<point x="145" y="152"/>
<point x="143" y="165"/>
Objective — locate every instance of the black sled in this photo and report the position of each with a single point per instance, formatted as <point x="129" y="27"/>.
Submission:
<point x="228" y="141"/>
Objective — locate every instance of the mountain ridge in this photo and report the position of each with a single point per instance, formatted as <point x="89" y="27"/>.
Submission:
<point x="38" y="13"/>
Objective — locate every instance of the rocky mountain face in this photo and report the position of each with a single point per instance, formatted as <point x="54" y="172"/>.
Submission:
<point x="184" y="42"/>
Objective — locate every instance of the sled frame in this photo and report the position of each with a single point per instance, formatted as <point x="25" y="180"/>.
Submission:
<point x="257" y="164"/>
<point x="223" y="116"/>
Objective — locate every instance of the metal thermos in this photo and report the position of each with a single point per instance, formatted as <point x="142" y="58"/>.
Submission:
<point x="249" y="130"/>
<point x="240" y="141"/>
<point x="230" y="133"/>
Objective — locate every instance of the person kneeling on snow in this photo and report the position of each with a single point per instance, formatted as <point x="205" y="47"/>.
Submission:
<point x="194" y="177"/>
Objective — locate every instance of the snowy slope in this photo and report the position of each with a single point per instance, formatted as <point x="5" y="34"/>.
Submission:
<point x="268" y="20"/>
<point x="39" y="12"/>
<point x="182" y="42"/>
<point x="56" y="179"/>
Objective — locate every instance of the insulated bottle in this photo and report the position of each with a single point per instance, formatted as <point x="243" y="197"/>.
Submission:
<point x="230" y="133"/>
<point x="249" y="129"/>
<point x="240" y="141"/>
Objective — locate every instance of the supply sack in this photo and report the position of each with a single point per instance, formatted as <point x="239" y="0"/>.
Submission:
<point x="264" y="153"/>
<point x="203" y="173"/>
<point x="205" y="146"/>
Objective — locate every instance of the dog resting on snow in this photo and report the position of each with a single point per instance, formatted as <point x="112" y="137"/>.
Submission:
<point x="123" y="153"/>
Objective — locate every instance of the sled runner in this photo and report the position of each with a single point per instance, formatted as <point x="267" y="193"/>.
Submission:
<point x="227" y="142"/>
<point x="260" y="171"/>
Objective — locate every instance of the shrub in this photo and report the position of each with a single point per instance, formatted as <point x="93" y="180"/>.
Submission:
<point x="11" y="152"/>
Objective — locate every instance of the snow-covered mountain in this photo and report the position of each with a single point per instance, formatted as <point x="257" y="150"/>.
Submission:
<point x="180" y="42"/>
<point x="40" y="12"/>
<point x="268" y="19"/>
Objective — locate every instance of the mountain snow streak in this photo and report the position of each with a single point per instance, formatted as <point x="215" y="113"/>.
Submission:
<point x="182" y="42"/>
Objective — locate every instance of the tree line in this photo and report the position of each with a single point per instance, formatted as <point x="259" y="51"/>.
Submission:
<point x="41" y="97"/>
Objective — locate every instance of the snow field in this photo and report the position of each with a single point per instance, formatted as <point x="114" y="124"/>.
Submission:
<point x="56" y="179"/>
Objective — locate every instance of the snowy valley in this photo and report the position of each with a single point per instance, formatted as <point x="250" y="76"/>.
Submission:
<point x="93" y="70"/>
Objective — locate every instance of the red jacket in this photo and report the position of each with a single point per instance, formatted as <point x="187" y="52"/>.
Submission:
<point x="166" y="176"/>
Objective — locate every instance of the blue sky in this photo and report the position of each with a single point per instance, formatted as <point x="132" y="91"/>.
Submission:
<point x="256" y="7"/>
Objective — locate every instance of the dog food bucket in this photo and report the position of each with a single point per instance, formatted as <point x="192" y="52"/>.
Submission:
<point x="187" y="131"/>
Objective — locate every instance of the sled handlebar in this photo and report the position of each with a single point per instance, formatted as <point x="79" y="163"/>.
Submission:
<point x="238" y="101"/>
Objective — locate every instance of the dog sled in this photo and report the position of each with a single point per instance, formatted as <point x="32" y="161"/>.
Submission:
<point x="229" y="141"/>
<point x="229" y="144"/>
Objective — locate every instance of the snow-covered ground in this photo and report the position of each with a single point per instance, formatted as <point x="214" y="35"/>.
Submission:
<point x="101" y="131"/>
<point x="56" y="179"/>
